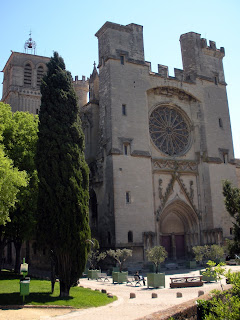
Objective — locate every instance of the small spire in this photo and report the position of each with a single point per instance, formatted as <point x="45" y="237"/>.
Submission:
<point x="94" y="65"/>
<point x="30" y="44"/>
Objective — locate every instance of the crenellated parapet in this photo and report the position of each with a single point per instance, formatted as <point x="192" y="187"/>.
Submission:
<point x="212" y="50"/>
<point x="81" y="88"/>
<point x="200" y="60"/>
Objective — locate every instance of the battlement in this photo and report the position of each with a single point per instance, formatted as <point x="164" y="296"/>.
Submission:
<point x="119" y="42"/>
<point x="81" y="88"/>
<point x="203" y="42"/>
<point x="82" y="81"/>
<point x="199" y="59"/>
<point x="212" y="49"/>
<point x="119" y="27"/>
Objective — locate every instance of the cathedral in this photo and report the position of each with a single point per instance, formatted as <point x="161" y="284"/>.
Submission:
<point x="158" y="146"/>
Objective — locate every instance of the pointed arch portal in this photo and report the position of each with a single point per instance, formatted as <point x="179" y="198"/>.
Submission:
<point x="178" y="229"/>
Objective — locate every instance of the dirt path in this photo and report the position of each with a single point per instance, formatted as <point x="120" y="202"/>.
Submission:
<point x="31" y="313"/>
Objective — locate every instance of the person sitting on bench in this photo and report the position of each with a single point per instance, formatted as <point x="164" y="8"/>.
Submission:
<point x="139" y="278"/>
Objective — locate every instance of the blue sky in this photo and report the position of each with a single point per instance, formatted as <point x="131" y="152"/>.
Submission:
<point x="69" y="28"/>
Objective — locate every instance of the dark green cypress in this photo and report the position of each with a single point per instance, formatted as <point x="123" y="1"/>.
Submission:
<point x="63" y="220"/>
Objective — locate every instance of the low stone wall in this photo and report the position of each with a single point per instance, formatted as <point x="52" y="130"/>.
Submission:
<point x="184" y="311"/>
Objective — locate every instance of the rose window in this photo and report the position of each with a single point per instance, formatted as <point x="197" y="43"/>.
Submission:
<point x="169" y="130"/>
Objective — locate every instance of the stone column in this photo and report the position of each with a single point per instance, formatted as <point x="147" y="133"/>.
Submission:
<point x="174" y="253"/>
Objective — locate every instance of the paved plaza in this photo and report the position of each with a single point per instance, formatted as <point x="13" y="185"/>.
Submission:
<point x="124" y="307"/>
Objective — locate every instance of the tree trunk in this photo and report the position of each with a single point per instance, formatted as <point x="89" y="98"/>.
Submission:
<point x="2" y="246"/>
<point x="3" y="242"/>
<point x="64" y="289"/>
<point x="18" y="246"/>
<point x="53" y="273"/>
<point x="64" y="272"/>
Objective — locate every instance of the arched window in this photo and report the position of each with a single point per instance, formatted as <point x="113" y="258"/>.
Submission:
<point x="220" y="122"/>
<point x="93" y="208"/>
<point x="109" y="237"/>
<point x="130" y="236"/>
<point x="27" y="75"/>
<point x="40" y="72"/>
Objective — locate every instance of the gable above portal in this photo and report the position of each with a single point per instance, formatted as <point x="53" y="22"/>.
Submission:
<point x="172" y="91"/>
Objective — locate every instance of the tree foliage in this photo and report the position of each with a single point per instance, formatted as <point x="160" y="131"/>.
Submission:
<point x="12" y="177"/>
<point x="213" y="252"/>
<point x="94" y="256"/>
<point x="232" y="204"/>
<point x="19" y="138"/>
<point x="11" y="180"/>
<point x="63" y="222"/>
<point x="120" y="255"/>
<point x="214" y="270"/>
<point x="223" y="304"/>
<point x="157" y="255"/>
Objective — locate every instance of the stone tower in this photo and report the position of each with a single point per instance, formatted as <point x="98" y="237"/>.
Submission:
<point x="163" y="145"/>
<point x="21" y="81"/>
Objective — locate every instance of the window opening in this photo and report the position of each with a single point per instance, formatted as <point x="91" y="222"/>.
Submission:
<point x="126" y="149"/>
<point x="225" y="157"/>
<point x="130" y="236"/>
<point x="220" y="122"/>
<point x="28" y="75"/>
<point x="109" y="237"/>
<point x="122" y="59"/>
<point x="40" y="73"/>
<point x="128" y="198"/>
<point x="124" y="110"/>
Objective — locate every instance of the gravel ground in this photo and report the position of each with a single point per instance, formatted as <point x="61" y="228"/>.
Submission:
<point x="124" y="307"/>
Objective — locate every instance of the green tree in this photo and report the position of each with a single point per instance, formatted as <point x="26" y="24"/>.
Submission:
<point x="63" y="220"/>
<point x="11" y="179"/>
<point x="120" y="255"/>
<point x="14" y="190"/>
<point x="223" y="304"/>
<point x="94" y="256"/>
<point x="20" y="138"/>
<point x="213" y="252"/>
<point x="157" y="255"/>
<point x="200" y="253"/>
<point x="232" y="204"/>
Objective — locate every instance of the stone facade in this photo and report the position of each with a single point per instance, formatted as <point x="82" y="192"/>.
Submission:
<point x="162" y="145"/>
<point x="158" y="147"/>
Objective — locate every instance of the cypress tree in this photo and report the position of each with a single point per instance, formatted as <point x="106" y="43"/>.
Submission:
<point x="63" y="221"/>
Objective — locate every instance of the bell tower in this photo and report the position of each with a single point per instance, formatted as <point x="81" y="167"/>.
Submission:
<point x="22" y="78"/>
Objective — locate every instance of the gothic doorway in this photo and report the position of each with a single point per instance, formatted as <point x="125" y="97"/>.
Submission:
<point x="166" y="242"/>
<point x="180" y="245"/>
<point x="178" y="229"/>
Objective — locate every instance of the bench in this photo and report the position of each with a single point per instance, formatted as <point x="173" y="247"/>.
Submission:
<point x="102" y="276"/>
<point x="135" y="280"/>
<point x="183" y="282"/>
<point x="171" y="265"/>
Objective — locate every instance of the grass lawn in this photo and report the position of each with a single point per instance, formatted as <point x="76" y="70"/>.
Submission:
<point x="40" y="294"/>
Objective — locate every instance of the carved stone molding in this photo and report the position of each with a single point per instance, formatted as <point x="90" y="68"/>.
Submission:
<point x="170" y="91"/>
<point x="96" y="172"/>
<point x="175" y="166"/>
<point x="87" y="119"/>
<point x="165" y="196"/>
